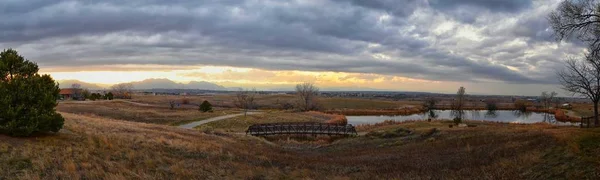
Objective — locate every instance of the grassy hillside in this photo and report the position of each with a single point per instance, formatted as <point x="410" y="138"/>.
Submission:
<point x="276" y="101"/>
<point x="96" y="148"/>
<point x="131" y="112"/>
<point x="241" y="123"/>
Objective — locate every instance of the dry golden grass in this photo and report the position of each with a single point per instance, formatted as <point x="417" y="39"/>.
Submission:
<point x="99" y="148"/>
<point x="219" y="100"/>
<point x="241" y="123"/>
<point x="367" y="112"/>
<point x="102" y="142"/>
<point x="583" y="109"/>
<point x="365" y="104"/>
<point x="96" y="148"/>
<point x="137" y="113"/>
<point x="276" y="101"/>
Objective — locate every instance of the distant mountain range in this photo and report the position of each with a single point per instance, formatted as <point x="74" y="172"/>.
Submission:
<point x="68" y="84"/>
<point x="168" y="84"/>
<point x="150" y="84"/>
<point x="200" y="85"/>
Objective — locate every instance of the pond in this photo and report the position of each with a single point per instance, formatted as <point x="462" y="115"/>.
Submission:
<point x="483" y="115"/>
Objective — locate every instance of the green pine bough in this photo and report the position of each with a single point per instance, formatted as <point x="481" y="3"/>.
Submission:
<point x="27" y="99"/>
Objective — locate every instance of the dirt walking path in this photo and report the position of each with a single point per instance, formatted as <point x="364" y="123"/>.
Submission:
<point x="198" y="123"/>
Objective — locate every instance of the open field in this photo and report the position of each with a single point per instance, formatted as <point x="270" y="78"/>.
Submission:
<point x="95" y="148"/>
<point x="131" y="112"/>
<point x="583" y="109"/>
<point x="241" y="123"/>
<point x="277" y="101"/>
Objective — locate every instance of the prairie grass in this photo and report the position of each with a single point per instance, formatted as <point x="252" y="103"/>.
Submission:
<point x="97" y="148"/>
<point x="276" y="101"/>
<point x="331" y="118"/>
<point x="241" y="123"/>
<point x="100" y="148"/>
<point x="105" y="140"/>
<point x="367" y="104"/>
<point x="147" y="114"/>
<point x="367" y="112"/>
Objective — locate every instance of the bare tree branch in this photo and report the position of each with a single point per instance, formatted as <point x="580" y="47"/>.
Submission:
<point x="579" y="19"/>
<point x="582" y="77"/>
<point x="245" y="100"/>
<point x="307" y="94"/>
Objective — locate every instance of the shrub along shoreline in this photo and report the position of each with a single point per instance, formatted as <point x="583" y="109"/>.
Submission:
<point x="559" y="114"/>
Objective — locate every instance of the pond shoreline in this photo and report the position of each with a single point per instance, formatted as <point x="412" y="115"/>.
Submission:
<point x="559" y="114"/>
<point x="509" y="116"/>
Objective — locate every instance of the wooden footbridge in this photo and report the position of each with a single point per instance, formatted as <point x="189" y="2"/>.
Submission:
<point x="300" y="128"/>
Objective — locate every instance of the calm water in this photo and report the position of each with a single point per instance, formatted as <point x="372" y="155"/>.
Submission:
<point x="495" y="116"/>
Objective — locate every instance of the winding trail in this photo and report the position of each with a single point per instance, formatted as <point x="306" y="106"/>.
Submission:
<point x="198" y="123"/>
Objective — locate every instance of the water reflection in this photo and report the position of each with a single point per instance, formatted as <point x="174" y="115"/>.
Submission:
<point x="490" y="115"/>
<point x="431" y="114"/>
<point x="457" y="114"/>
<point x="475" y="114"/>
<point x="522" y="114"/>
<point x="549" y="119"/>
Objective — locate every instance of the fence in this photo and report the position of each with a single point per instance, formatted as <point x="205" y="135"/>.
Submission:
<point x="587" y="122"/>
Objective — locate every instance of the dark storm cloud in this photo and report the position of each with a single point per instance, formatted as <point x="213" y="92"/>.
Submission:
<point x="492" y="5"/>
<point x="400" y="8"/>
<point x="376" y="36"/>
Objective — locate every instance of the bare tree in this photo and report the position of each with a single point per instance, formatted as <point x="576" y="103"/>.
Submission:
<point x="245" y="100"/>
<point x="547" y="99"/>
<point x="578" y="18"/>
<point x="429" y="105"/>
<point x="307" y="96"/>
<point x="458" y="105"/>
<point x="77" y="91"/>
<point x="430" y="102"/>
<point x="122" y="90"/>
<point x="491" y="104"/>
<point x="582" y="77"/>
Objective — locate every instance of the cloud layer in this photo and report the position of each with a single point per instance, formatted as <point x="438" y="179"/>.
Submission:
<point x="506" y="41"/>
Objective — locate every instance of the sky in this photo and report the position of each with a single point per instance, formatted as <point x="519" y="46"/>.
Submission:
<point x="488" y="46"/>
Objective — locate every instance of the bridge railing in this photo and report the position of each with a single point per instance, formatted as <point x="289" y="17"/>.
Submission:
<point x="300" y="128"/>
<point x="587" y="122"/>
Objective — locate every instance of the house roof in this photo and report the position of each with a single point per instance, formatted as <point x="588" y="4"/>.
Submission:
<point x="67" y="91"/>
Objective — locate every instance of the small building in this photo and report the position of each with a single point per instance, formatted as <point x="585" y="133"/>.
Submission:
<point x="70" y="93"/>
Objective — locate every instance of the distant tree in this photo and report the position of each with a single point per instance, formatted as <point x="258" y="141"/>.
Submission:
<point x="245" y="100"/>
<point x="430" y="103"/>
<point x="122" y="91"/>
<point x="76" y="86"/>
<point x="521" y="105"/>
<point x="77" y="92"/>
<point x="85" y="94"/>
<point x="27" y="99"/>
<point x="95" y="96"/>
<point x="491" y="105"/>
<point x="109" y="96"/>
<point x="582" y="77"/>
<point x="579" y="19"/>
<point x="205" y="107"/>
<point x="547" y="99"/>
<point x="458" y="105"/>
<point x="307" y="96"/>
